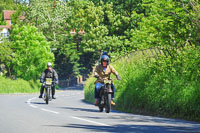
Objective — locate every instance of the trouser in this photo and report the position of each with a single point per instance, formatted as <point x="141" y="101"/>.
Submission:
<point x="98" y="87"/>
<point x="52" y="90"/>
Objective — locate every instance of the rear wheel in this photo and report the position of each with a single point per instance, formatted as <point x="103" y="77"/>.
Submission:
<point x="108" y="103"/>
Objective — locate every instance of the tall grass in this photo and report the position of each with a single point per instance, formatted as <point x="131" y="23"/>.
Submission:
<point x="18" y="86"/>
<point x="168" y="86"/>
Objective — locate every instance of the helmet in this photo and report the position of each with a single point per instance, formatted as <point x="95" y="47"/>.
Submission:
<point x="105" y="53"/>
<point x="104" y="58"/>
<point x="49" y="64"/>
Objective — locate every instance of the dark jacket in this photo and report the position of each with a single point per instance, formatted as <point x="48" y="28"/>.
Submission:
<point x="49" y="74"/>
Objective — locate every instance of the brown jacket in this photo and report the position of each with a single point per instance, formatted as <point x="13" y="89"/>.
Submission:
<point x="99" y="70"/>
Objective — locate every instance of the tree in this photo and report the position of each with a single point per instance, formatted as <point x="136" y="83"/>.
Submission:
<point x="31" y="52"/>
<point x="163" y="23"/>
<point x="6" y="55"/>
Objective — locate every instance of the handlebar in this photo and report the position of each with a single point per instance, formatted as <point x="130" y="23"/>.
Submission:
<point x="52" y="82"/>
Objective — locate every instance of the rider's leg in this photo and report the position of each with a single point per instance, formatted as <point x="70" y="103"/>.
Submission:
<point x="41" y="91"/>
<point x="113" y="89"/>
<point x="97" y="88"/>
<point x="113" y="94"/>
<point x="53" y="92"/>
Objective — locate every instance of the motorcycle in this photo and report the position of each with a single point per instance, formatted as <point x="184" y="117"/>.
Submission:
<point x="105" y="96"/>
<point x="48" y="95"/>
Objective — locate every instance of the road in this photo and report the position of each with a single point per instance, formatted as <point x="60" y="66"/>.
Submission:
<point x="26" y="113"/>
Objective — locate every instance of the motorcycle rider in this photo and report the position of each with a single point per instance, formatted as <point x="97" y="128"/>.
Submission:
<point x="49" y="73"/>
<point x="103" y="71"/>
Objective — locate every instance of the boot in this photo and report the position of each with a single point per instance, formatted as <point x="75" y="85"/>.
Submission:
<point x="97" y="102"/>
<point x="40" y="96"/>
<point x="112" y="103"/>
<point x="41" y="91"/>
<point x="53" y="97"/>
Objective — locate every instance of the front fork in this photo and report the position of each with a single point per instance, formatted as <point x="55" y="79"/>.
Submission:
<point x="104" y="95"/>
<point x="47" y="92"/>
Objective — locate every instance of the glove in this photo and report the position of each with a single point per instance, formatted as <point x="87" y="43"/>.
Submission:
<point x="118" y="77"/>
<point x="96" y="76"/>
<point x="41" y="80"/>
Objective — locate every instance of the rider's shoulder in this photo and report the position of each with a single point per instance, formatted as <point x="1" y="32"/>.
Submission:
<point x="98" y="66"/>
<point x="54" y="70"/>
<point x="110" y="66"/>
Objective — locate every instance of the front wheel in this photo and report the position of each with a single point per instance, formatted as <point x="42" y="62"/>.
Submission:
<point x="47" y="95"/>
<point x="108" y="103"/>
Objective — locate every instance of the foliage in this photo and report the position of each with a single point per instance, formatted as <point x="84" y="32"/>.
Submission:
<point x="15" y="17"/>
<point x="158" y="86"/>
<point x="6" y="5"/>
<point x="89" y="89"/>
<point x="31" y="52"/>
<point x="177" y="80"/>
<point x="54" y="22"/>
<point x="18" y="86"/>
<point x="165" y="23"/>
<point x="114" y="26"/>
<point x="6" y="55"/>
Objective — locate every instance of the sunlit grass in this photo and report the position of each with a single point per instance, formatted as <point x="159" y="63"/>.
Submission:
<point x="18" y="86"/>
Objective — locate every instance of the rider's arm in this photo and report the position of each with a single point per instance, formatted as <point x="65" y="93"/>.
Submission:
<point x="55" y="76"/>
<point x="42" y="77"/>
<point x="113" y="70"/>
<point x="96" y="72"/>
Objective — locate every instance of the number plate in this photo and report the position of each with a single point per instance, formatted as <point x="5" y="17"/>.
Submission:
<point x="107" y="81"/>
<point x="48" y="81"/>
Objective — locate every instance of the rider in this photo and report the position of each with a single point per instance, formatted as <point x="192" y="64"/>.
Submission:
<point x="103" y="71"/>
<point x="49" y="73"/>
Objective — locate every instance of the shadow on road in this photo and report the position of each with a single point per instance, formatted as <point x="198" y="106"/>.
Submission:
<point x="130" y="117"/>
<point x="131" y="128"/>
<point x="37" y="103"/>
<point x="79" y="109"/>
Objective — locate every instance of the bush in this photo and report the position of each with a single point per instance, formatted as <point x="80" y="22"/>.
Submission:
<point x="18" y="86"/>
<point x="89" y="89"/>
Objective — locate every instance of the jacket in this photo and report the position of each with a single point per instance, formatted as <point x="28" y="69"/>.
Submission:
<point x="99" y="70"/>
<point x="49" y="74"/>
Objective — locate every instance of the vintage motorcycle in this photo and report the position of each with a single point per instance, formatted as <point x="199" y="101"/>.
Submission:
<point x="105" y="96"/>
<point x="48" y="95"/>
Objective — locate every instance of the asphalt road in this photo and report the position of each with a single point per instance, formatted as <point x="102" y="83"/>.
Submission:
<point x="26" y="113"/>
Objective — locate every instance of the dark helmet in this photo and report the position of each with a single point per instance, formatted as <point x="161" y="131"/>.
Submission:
<point x="105" y="58"/>
<point x="49" y="64"/>
<point x="105" y="53"/>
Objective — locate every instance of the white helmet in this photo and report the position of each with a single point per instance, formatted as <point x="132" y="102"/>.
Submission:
<point x="49" y="64"/>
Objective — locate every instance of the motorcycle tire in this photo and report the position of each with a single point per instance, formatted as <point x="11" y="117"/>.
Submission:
<point x="108" y="103"/>
<point x="47" y="96"/>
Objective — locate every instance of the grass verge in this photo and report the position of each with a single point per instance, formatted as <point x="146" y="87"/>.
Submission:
<point x="18" y="86"/>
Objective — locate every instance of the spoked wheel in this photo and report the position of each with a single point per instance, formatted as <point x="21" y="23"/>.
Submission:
<point x="108" y="103"/>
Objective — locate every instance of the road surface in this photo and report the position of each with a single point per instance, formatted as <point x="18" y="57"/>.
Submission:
<point x="26" y="113"/>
